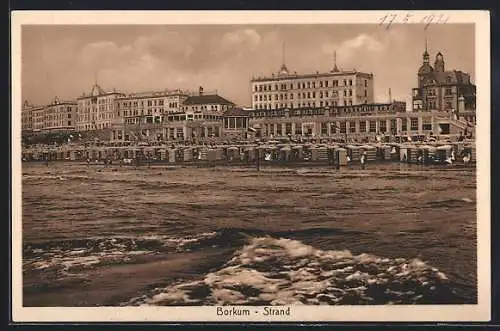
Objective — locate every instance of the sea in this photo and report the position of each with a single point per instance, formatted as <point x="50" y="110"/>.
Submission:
<point x="95" y="235"/>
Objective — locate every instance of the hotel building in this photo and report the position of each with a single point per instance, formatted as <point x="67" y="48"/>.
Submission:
<point x="171" y="116"/>
<point x="149" y="107"/>
<point x="334" y="88"/>
<point x="56" y="116"/>
<point x="449" y="91"/>
<point x="137" y="111"/>
<point x="59" y="116"/>
<point x="98" y="109"/>
<point x="27" y="116"/>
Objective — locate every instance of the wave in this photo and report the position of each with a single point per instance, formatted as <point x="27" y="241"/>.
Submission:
<point x="54" y="177"/>
<point x="457" y="202"/>
<point x="69" y="257"/>
<point x="272" y="271"/>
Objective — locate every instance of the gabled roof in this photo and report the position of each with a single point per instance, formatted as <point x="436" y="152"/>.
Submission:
<point x="207" y="99"/>
<point x="451" y="77"/>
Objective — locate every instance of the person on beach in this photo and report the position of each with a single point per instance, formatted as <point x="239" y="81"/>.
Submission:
<point x="363" y="160"/>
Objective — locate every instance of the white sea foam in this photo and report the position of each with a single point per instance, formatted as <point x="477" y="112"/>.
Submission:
<point x="70" y="260"/>
<point x="284" y="271"/>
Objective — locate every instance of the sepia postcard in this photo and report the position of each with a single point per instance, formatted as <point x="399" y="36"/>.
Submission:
<point x="250" y="166"/>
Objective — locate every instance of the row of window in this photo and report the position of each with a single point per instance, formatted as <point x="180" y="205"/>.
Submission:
<point x="56" y="116"/>
<point x="101" y="116"/>
<point x="59" y="109"/>
<point x="304" y="95"/>
<point x="89" y="102"/>
<point x="205" y="107"/>
<point x="304" y="85"/>
<point x="347" y="127"/>
<point x="294" y="105"/>
<point x="93" y="126"/>
<point x="149" y="103"/>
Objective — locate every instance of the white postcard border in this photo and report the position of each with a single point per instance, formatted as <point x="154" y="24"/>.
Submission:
<point x="415" y="313"/>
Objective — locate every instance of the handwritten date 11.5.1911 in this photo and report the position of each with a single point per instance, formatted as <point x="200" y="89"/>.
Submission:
<point x="388" y="20"/>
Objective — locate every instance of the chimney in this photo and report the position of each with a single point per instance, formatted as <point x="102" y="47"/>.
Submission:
<point x="390" y="95"/>
<point x="200" y="90"/>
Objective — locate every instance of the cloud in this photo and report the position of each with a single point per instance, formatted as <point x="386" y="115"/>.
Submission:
<point x="164" y="44"/>
<point x="241" y="38"/>
<point x="362" y="43"/>
<point x="103" y="54"/>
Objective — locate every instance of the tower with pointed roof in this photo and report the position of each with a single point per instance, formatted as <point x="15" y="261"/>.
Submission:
<point x="425" y="69"/>
<point x="450" y="92"/>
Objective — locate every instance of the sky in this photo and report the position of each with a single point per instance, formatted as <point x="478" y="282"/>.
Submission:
<point x="65" y="61"/>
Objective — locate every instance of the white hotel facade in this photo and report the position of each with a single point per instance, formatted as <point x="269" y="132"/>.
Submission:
<point x="334" y="88"/>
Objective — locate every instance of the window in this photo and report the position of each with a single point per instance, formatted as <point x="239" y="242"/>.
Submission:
<point x="352" y="127"/>
<point x="373" y="126"/>
<point x="350" y="82"/>
<point x="326" y="83"/>
<point x="366" y="83"/>
<point x="279" y="129"/>
<point x="383" y="126"/>
<point x="271" y="129"/>
<point x="365" y="93"/>
<point x="335" y="83"/>
<point x="324" y="129"/>
<point x="444" y="128"/>
<point x="350" y="93"/>
<point x="314" y="94"/>
<point x="298" y="128"/>
<point x="345" y="93"/>
<point x="362" y="126"/>
<point x="343" y="127"/>
<point x="345" y="82"/>
<point x="403" y="125"/>
<point x="426" y="124"/>
<point x="239" y="122"/>
<point x="414" y="124"/>
<point x="288" y="128"/>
